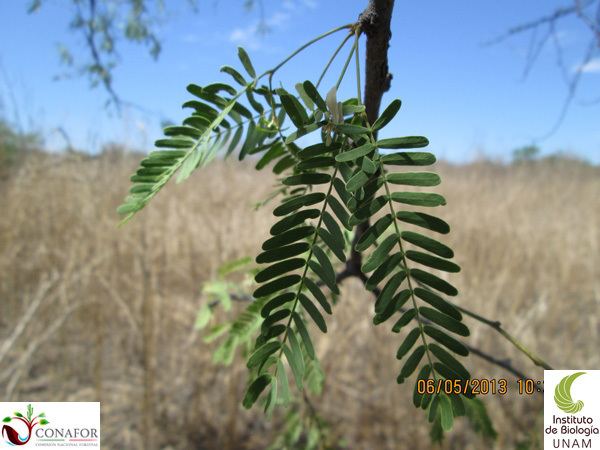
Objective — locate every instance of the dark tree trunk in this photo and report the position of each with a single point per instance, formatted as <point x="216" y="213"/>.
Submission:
<point x="375" y="22"/>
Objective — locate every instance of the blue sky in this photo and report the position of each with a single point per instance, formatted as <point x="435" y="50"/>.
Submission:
<point x="469" y="99"/>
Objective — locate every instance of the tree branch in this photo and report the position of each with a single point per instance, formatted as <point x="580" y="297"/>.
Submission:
<point x="375" y="22"/>
<point x="503" y="363"/>
<point x="577" y="9"/>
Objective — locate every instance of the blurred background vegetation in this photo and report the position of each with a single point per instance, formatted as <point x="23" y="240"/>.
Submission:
<point x="91" y="312"/>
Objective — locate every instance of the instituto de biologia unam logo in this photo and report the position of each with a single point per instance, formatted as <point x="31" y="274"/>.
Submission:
<point x="572" y="409"/>
<point x="562" y="394"/>
<point x="14" y="437"/>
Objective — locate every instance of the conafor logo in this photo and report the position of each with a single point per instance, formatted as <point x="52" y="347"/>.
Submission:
<point x="21" y="437"/>
<point x="572" y="409"/>
<point x="50" y="424"/>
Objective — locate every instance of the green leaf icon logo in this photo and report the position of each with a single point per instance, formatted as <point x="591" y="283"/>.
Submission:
<point x="562" y="394"/>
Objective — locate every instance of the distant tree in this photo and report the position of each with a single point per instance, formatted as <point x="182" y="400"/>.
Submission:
<point x="526" y="153"/>
<point x="14" y="144"/>
<point x="544" y="31"/>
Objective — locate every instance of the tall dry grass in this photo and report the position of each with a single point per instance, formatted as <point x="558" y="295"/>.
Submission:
<point x="90" y="312"/>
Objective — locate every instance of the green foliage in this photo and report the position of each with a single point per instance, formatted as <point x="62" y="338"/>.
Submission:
<point x="526" y="153"/>
<point x="15" y="144"/>
<point x="326" y="190"/>
<point x="101" y="25"/>
<point x="478" y="417"/>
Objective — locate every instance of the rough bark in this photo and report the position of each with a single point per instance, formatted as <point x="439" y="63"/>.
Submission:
<point x="375" y="22"/>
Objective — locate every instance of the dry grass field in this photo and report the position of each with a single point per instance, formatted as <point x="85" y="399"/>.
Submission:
<point x="89" y="311"/>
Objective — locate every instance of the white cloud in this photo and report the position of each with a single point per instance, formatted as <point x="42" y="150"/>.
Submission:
<point x="289" y="5"/>
<point x="278" y="19"/>
<point x="592" y="66"/>
<point x="251" y="37"/>
<point x="246" y="37"/>
<point x="190" y="38"/>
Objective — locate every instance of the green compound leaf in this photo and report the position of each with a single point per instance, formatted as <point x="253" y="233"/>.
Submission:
<point x="186" y="154"/>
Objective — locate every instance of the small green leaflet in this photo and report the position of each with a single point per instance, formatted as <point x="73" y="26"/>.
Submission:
<point x="255" y="389"/>
<point x="245" y="59"/>
<point x="387" y="115"/>
<point x="355" y="153"/>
